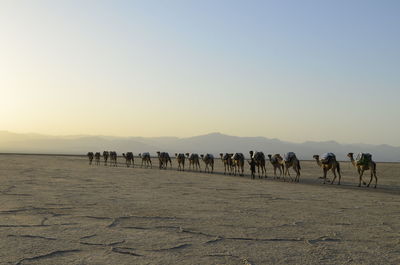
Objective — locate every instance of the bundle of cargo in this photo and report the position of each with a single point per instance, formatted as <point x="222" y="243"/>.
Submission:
<point x="363" y="159"/>
<point x="274" y="159"/>
<point x="327" y="157"/>
<point x="289" y="156"/>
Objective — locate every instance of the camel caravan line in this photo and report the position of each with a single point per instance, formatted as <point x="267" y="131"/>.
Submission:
<point x="234" y="164"/>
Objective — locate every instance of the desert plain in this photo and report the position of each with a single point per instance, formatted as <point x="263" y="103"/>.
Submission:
<point x="60" y="210"/>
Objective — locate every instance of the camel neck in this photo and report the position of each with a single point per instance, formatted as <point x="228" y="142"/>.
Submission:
<point x="353" y="161"/>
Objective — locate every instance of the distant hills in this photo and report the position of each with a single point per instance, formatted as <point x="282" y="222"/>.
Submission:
<point x="214" y="143"/>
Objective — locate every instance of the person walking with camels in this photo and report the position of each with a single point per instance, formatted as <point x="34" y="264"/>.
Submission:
<point x="252" y="164"/>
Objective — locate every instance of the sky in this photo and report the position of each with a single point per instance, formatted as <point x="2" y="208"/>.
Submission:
<point x="294" y="70"/>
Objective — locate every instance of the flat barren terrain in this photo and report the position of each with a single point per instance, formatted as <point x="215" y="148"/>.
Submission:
<point x="60" y="210"/>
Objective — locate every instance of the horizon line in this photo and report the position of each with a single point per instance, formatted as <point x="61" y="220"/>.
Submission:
<point x="188" y="137"/>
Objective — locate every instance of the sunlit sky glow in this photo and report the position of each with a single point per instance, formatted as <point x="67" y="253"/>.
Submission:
<point x="293" y="70"/>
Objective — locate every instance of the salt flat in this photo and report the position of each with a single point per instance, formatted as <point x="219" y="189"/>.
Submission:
<point x="60" y="210"/>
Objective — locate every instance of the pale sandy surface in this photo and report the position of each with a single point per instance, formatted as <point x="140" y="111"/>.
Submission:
<point x="59" y="210"/>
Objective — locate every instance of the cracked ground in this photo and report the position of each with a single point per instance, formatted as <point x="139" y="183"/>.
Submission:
<point x="60" y="210"/>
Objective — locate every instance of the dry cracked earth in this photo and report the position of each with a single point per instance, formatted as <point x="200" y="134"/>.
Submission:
<point x="60" y="210"/>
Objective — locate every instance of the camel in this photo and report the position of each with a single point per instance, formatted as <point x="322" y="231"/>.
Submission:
<point x="97" y="158"/>
<point x="329" y="163"/>
<point x="228" y="162"/>
<point x="369" y="164"/>
<point x="129" y="159"/>
<point x="208" y="160"/>
<point x="180" y="158"/>
<point x="194" y="161"/>
<point x="146" y="159"/>
<point x="259" y="159"/>
<point x="238" y="163"/>
<point x="164" y="158"/>
<point x="290" y="160"/>
<point x="105" y="156"/>
<point x="277" y="162"/>
<point x="90" y="155"/>
<point x="113" y="158"/>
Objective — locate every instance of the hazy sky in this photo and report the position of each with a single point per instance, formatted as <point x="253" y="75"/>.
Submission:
<point x="294" y="70"/>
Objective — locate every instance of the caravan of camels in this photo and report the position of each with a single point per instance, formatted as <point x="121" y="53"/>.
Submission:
<point x="234" y="163"/>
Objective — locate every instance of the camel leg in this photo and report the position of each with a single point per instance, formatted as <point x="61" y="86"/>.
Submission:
<point x="297" y="179"/>
<point x="361" y="174"/>
<point x="372" y="175"/>
<point x="285" y="173"/>
<point x="334" y="175"/>
<point x="288" y="173"/>
<point x="325" y="172"/>
<point x="376" y="179"/>
<point x="338" y="171"/>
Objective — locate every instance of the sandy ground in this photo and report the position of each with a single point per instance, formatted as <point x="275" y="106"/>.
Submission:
<point x="60" y="210"/>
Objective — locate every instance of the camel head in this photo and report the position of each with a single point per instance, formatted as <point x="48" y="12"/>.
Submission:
<point x="158" y="153"/>
<point x="202" y="156"/>
<point x="187" y="154"/>
<point x="140" y="154"/>
<point x="350" y="155"/>
<point x="251" y="153"/>
<point x="270" y="156"/>
<point x="221" y="155"/>
<point x="176" y="155"/>
<point x="316" y="157"/>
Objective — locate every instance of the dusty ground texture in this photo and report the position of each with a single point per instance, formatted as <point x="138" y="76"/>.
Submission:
<point x="60" y="210"/>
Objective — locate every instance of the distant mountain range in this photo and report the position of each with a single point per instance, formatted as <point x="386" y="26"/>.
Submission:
<point x="214" y="143"/>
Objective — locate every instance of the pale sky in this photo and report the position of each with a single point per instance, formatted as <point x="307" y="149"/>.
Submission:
<point x="293" y="70"/>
